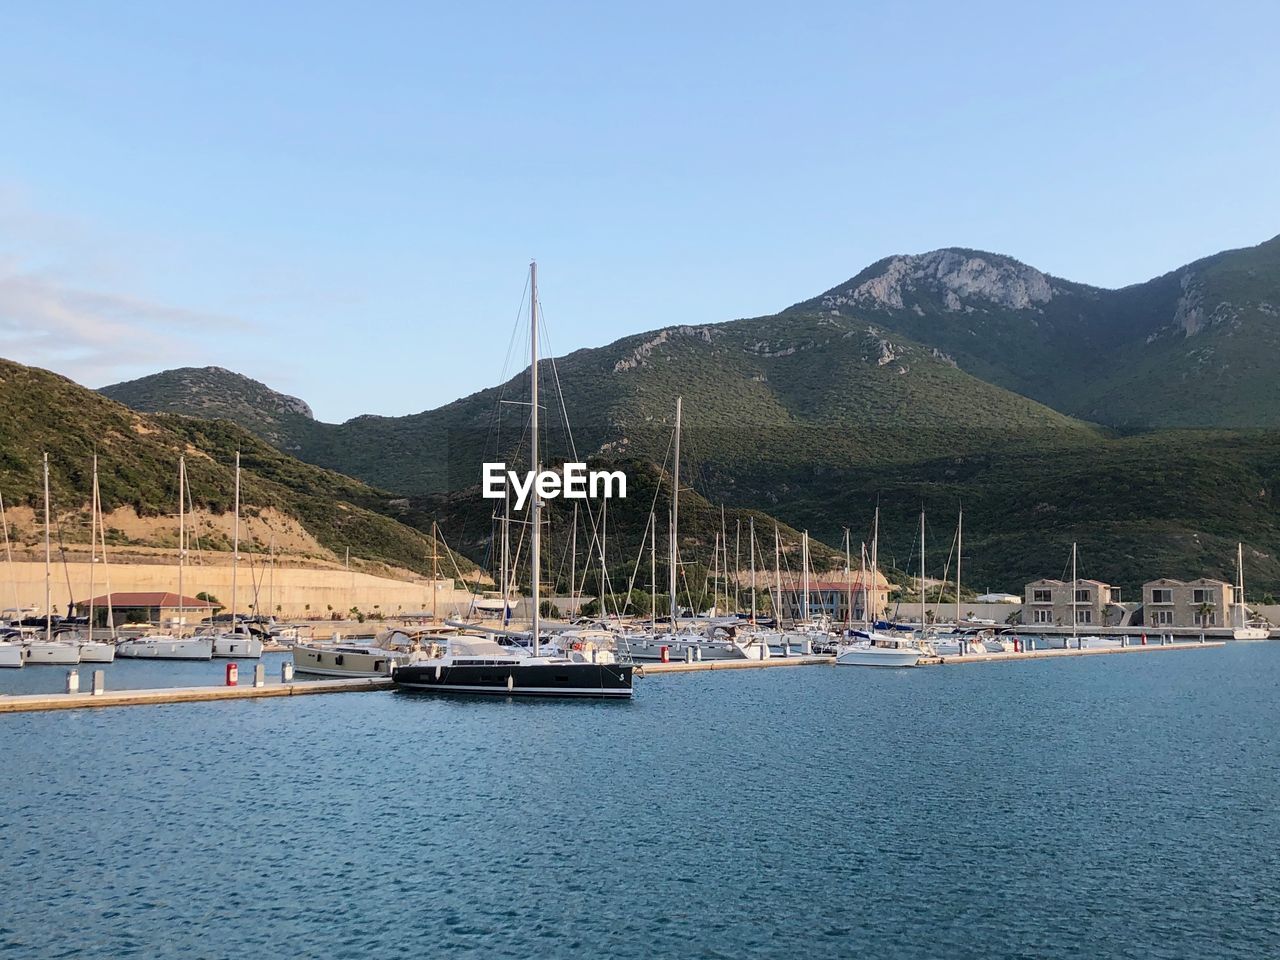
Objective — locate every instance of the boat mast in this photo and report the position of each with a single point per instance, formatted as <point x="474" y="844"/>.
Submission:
<point x="777" y="576"/>
<point x="93" y="544"/>
<point x="875" y="554"/>
<point x="534" y="463"/>
<point x="435" y="571"/>
<point x="848" y="583"/>
<point x="675" y="515"/>
<point x="922" y="573"/>
<point x="715" y="576"/>
<point x="753" y="571"/>
<point x="102" y="538"/>
<point x="235" y="546"/>
<point x="1240" y="604"/>
<point x="959" y="554"/>
<point x="48" y="568"/>
<point x="573" y="564"/>
<point x="182" y="536"/>
<point x="737" y="562"/>
<point x="506" y="549"/>
<point x="653" y="571"/>
<point x="604" y="540"/>
<point x="1075" y="585"/>
<point x="804" y="571"/>
<point x="862" y="582"/>
<point x="8" y="552"/>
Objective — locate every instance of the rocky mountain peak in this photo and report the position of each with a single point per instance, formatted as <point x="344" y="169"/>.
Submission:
<point x="962" y="279"/>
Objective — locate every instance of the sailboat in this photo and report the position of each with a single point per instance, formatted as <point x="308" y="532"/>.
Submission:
<point x="96" y="651"/>
<point x="239" y="642"/>
<point x="172" y="646"/>
<point x="674" y="643"/>
<point x="877" y="649"/>
<point x="1242" y="630"/>
<point x="51" y="649"/>
<point x="481" y="665"/>
<point x="11" y="648"/>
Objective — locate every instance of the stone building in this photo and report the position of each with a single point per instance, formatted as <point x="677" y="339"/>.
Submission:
<point x="1192" y="603"/>
<point x="1050" y="603"/>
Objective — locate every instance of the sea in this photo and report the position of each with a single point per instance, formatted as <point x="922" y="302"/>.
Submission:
<point x="1097" y="807"/>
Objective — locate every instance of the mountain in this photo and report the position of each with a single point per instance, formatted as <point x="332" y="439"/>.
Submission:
<point x="311" y="511"/>
<point x="1196" y="347"/>
<point x="944" y="379"/>
<point x="217" y="393"/>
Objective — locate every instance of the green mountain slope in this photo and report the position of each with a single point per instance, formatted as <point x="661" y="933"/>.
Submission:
<point x="43" y="412"/>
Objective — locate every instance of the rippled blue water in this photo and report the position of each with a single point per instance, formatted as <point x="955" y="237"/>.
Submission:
<point x="1095" y="807"/>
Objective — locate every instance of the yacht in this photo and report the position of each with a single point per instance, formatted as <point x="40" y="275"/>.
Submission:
<point x="351" y="659"/>
<point x="872" y="648"/>
<point x="165" y="646"/>
<point x="238" y="643"/>
<point x="1242" y="629"/>
<point x="471" y="664"/>
<point x="481" y="665"/>
<point x="50" y="649"/>
<point x="11" y="651"/>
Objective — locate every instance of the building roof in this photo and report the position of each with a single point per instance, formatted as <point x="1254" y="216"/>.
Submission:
<point x="1046" y="582"/>
<point x="154" y="598"/>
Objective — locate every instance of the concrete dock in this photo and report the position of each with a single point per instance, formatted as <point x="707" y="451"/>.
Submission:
<point x="687" y="666"/>
<point x="137" y="698"/>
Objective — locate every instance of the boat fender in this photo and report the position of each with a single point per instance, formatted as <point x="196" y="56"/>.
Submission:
<point x="511" y="682"/>
<point x="437" y="671"/>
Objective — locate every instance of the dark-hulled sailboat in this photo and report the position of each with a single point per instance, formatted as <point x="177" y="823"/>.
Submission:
<point x="481" y="665"/>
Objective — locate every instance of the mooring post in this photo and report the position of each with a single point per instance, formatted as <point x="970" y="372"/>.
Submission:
<point x="73" y="680"/>
<point x="260" y="675"/>
<point x="99" y="682"/>
<point x="286" y="672"/>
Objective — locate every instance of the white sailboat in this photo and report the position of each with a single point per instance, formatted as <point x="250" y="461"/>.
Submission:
<point x="879" y="649"/>
<point x="11" y="648"/>
<point x="96" y="651"/>
<point x="50" y="649"/>
<point x="238" y="642"/>
<point x="172" y="646"/>
<point x="1242" y="629"/>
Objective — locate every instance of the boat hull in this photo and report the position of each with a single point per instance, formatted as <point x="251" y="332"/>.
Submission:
<point x="65" y="654"/>
<point x="877" y="657"/>
<point x="11" y="656"/>
<point x="581" y="680"/>
<point x="319" y="662"/>
<point x="97" y="652"/>
<point x="191" y="648"/>
<point x="237" y="648"/>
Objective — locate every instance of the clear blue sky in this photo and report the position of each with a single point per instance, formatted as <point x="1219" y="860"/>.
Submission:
<point x="341" y="199"/>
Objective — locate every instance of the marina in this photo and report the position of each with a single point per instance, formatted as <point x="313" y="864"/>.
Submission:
<point x="247" y="688"/>
<point x="1099" y="776"/>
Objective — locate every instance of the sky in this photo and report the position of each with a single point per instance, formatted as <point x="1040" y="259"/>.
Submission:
<point x="341" y="200"/>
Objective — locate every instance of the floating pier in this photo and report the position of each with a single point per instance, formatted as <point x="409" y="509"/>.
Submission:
<point x="137" y="698"/>
<point x="693" y="666"/>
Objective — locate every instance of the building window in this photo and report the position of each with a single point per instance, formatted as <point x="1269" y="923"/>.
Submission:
<point x="1082" y="596"/>
<point x="1086" y="616"/>
<point x="1163" y="618"/>
<point x="1206" y="619"/>
<point x="1162" y="595"/>
<point x="1041" y="596"/>
<point x="1041" y="616"/>
<point x="1201" y="596"/>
